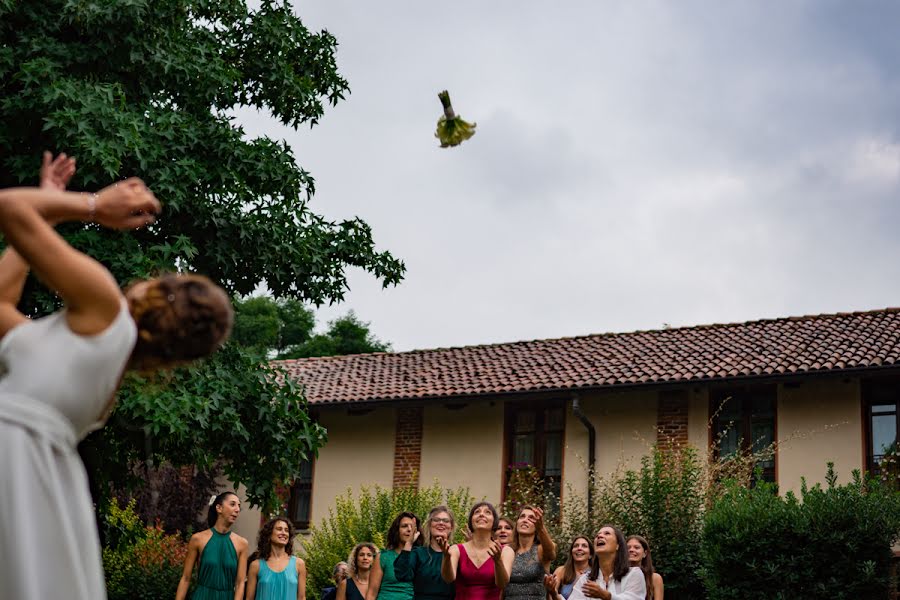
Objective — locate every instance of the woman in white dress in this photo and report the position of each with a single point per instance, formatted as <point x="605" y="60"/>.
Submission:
<point x="610" y="576"/>
<point x="59" y="374"/>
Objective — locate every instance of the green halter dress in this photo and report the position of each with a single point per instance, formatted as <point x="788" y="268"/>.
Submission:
<point x="218" y="568"/>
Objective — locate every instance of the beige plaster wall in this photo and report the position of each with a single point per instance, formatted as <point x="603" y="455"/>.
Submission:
<point x="359" y="451"/>
<point x="626" y="428"/>
<point x="818" y="422"/>
<point x="464" y="448"/>
<point x="698" y="421"/>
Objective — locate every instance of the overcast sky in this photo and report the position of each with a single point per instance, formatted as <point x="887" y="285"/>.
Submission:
<point x="635" y="163"/>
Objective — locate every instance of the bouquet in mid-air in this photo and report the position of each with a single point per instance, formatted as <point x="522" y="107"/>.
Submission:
<point x="451" y="129"/>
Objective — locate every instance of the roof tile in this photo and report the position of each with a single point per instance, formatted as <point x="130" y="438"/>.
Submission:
<point x="708" y="352"/>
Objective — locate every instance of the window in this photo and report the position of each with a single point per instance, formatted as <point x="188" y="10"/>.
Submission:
<point x="300" y="501"/>
<point x="745" y="421"/>
<point x="535" y="439"/>
<point x="881" y="399"/>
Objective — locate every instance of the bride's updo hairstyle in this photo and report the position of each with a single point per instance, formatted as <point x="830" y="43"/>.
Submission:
<point x="179" y="318"/>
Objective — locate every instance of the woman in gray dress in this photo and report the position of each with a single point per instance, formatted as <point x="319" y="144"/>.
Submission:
<point x="535" y="550"/>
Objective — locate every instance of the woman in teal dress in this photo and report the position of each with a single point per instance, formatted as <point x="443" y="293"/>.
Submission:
<point x="383" y="584"/>
<point x="276" y="575"/>
<point x="222" y="555"/>
<point x="422" y="565"/>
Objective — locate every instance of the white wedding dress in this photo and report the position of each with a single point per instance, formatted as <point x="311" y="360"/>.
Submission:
<point x="55" y="386"/>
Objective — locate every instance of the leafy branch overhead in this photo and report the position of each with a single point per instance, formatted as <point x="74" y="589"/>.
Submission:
<point x="150" y="88"/>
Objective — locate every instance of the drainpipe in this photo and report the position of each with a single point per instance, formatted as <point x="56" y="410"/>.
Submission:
<point x="592" y="458"/>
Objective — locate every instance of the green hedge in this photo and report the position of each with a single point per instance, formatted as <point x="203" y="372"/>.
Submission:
<point x="833" y="542"/>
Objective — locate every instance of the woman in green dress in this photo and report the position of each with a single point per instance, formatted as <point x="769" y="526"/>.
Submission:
<point x="222" y="554"/>
<point x="383" y="584"/>
<point x="422" y="565"/>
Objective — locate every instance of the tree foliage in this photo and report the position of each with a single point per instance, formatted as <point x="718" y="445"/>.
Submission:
<point x="149" y="88"/>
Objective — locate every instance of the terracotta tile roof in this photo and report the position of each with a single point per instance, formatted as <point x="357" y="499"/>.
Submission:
<point x="793" y="345"/>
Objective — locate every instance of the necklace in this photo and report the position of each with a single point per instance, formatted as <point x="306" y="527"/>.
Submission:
<point x="360" y="582"/>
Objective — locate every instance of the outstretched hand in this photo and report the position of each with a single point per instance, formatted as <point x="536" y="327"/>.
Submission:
<point x="443" y="543"/>
<point x="56" y="172"/>
<point x="551" y="582"/>
<point x="538" y="518"/>
<point x="495" y="550"/>
<point x="127" y="204"/>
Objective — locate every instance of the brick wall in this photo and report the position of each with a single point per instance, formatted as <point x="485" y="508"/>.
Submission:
<point x="408" y="447"/>
<point x="672" y="418"/>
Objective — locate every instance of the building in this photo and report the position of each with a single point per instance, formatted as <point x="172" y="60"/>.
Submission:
<point x="826" y="386"/>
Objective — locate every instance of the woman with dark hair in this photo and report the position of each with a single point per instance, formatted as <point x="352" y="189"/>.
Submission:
<point x="505" y="529"/>
<point x="578" y="562"/>
<point x="276" y="574"/>
<point x="100" y="332"/>
<point x="639" y="556"/>
<point x="479" y="567"/>
<point x="223" y="555"/>
<point x="360" y="563"/>
<point x="534" y="551"/>
<point x="610" y="576"/>
<point x="421" y="565"/>
<point x="383" y="584"/>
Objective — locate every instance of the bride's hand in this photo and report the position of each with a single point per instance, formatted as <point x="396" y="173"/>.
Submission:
<point x="127" y="204"/>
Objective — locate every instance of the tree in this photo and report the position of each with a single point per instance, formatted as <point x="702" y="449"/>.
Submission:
<point x="148" y="88"/>
<point x="284" y="329"/>
<point x="345" y="335"/>
<point x="270" y="327"/>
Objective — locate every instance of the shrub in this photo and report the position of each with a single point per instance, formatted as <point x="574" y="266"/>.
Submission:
<point x="140" y="561"/>
<point x="366" y="518"/>
<point x="833" y="542"/>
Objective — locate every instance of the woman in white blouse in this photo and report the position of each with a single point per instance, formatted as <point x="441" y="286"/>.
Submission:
<point x="610" y="576"/>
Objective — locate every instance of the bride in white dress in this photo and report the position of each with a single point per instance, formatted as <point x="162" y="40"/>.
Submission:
<point x="59" y="374"/>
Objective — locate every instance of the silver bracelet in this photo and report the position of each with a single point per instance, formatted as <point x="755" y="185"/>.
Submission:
<point x="92" y="206"/>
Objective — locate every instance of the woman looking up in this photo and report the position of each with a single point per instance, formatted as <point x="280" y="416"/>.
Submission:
<point x="480" y="567"/>
<point x="563" y="579"/>
<point x="276" y="574"/>
<point x="223" y="555"/>
<point x="357" y="585"/>
<point x="610" y="577"/>
<point x="535" y="550"/>
<point x="47" y="516"/>
<point x="639" y="556"/>
<point x="421" y="565"/>
<point x="383" y="584"/>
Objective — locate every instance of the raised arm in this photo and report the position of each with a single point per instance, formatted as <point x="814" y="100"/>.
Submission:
<point x="55" y="175"/>
<point x="449" y="561"/>
<point x="548" y="546"/>
<point x="375" y="577"/>
<point x="88" y="289"/>
<point x="503" y="557"/>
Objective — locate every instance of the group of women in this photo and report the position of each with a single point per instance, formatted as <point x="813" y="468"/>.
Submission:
<point x="500" y="558"/>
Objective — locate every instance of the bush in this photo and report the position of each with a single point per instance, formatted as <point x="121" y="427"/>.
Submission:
<point x="366" y="518"/>
<point x="833" y="542"/>
<point x="140" y="561"/>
